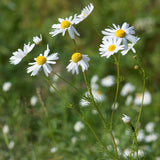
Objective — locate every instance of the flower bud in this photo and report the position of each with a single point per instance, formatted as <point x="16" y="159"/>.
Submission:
<point x="126" y="119"/>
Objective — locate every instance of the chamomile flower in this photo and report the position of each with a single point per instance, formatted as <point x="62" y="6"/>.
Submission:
<point x="123" y="34"/>
<point x="76" y="60"/>
<point x="126" y="119"/>
<point x="108" y="81"/>
<point x="20" y="54"/>
<point x="85" y="12"/>
<point x="37" y="40"/>
<point x="98" y="95"/>
<point x="127" y="88"/>
<point x="130" y="47"/>
<point x="109" y="47"/>
<point x="43" y="61"/>
<point x="64" y="25"/>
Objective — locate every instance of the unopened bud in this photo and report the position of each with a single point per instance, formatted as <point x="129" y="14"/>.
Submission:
<point x="135" y="56"/>
<point x="136" y="67"/>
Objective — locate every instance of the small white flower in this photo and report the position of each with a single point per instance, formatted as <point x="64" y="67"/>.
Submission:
<point x="94" y="79"/>
<point x="123" y="34"/>
<point x="64" y="25"/>
<point x="6" y="86"/>
<point x="33" y="100"/>
<point x="150" y="127"/>
<point x="20" y="54"/>
<point x="98" y="95"/>
<point x="85" y="12"/>
<point x="11" y="145"/>
<point x="74" y="140"/>
<point x="146" y="101"/>
<point x="78" y="59"/>
<point x="129" y="100"/>
<point x="37" y="40"/>
<point x="53" y="150"/>
<point x="127" y="88"/>
<point x="140" y="135"/>
<point x="152" y="137"/>
<point x="5" y="129"/>
<point x="116" y="106"/>
<point x="108" y="81"/>
<point x="84" y="103"/>
<point x="158" y="158"/>
<point x="94" y="111"/>
<point x="116" y="141"/>
<point x="140" y="153"/>
<point x="127" y="152"/>
<point x="109" y="47"/>
<point x="126" y="119"/>
<point x="43" y="61"/>
<point x="78" y="126"/>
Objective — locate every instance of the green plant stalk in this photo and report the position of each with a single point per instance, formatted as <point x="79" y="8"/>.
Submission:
<point x="140" y="112"/>
<point x="71" y="106"/>
<point x="99" y="113"/>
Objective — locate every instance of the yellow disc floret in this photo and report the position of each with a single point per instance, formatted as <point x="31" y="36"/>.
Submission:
<point x="40" y="60"/>
<point x="65" y="24"/>
<point x="120" y="33"/>
<point x="111" y="47"/>
<point x="76" y="57"/>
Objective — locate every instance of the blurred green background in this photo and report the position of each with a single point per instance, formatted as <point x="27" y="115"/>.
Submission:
<point x="29" y="128"/>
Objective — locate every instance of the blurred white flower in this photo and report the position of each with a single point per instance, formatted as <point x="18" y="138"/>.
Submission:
<point x="116" y="141"/>
<point x="127" y="152"/>
<point x="6" y="86"/>
<point x="74" y="140"/>
<point x="158" y="158"/>
<point x="53" y="150"/>
<point x="140" y="153"/>
<point x="116" y="106"/>
<point x="126" y="119"/>
<point x="33" y="100"/>
<point x="127" y="88"/>
<point x="78" y="126"/>
<point x="37" y="40"/>
<point x="11" y="145"/>
<point x="152" y="137"/>
<point x="5" y="129"/>
<point x="146" y="101"/>
<point x="108" y="81"/>
<point x="129" y="100"/>
<point x="150" y="127"/>
<point x="98" y="95"/>
<point x="94" y="111"/>
<point x="94" y="79"/>
<point x="140" y="135"/>
<point x="84" y="103"/>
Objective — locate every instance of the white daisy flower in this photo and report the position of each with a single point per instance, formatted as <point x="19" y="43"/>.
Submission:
<point x="126" y="119"/>
<point x="85" y="12"/>
<point x="127" y="88"/>
<point x="5" y="129"/>
<point x="108" y="81"/>
<point x="94" y="111"/>
<point x="150" y="127"/>
<point x="147" y="99"/>
<point x="98" y="95"/>
<point x="129" y="100"/>
<point x="140" y="135"/>
<point x="53" y="150"/>
<point x="6" y="86"/>
<point x="11" y="145"/>
<point x="78" y="59"/>
<point x="78" y="126"/>
<point x="109" y="47"/>
<point x="116" y="106"/>
<point x="84" y="102"/>
<point x="123" y="34"/>
<point x="20" y="54"/>
<point x="43" y="61"/>
<point x="74" y="140"/>
<point x="130" y="47"/>
<point x="64" y="25"/>
<point x="33" y="100"/>
<point x="150" y="138"/>
<point x="37" y="40"/>
<point x="94" y="84"/>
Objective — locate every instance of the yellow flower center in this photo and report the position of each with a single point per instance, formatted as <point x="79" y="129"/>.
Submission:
<point x="120" y="33"/>
<point x="99" y="92"/>
<point x="111" y="47"/>
<point x="84" y="15"/>
<point x="40" y="60"/>
<point x="139" y="95"/>
<point x="76" y="57"/>
<point x="65" y="24"/>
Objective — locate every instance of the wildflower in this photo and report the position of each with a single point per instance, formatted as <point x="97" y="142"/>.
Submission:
<point x="123" y="34"/>
<point x="150" y="127"/>
<point x="11" y="145"/>
<point x="128" y="100"/>
<point x="37" y="40"/>
<point x="94" y="111"/>
<point x="126" y="119"/>
<point x="85" y="12"/>
<point x="116" y="106"/>
<point x="33" y="100"/>
<point x="78" y="59"/>
<point x="64" y="25"/>
<point x="98" y="95"/>
<point x="152" y="137"/>
<point x="108" y="81"/>
<point x="127" y="152"/>
<point x="43" y="61"/>
<point x="109" y="47"/>
<point x="20" y="54"/>
<point x="94" y="79"/>
<point x="78" y="126"/>
<point x="146" y="101"/>
<point x="6" y="86"/>
<point x="84" y="103"/>
<point x="140" y="135"/>
<point x="127" y="88"/>
<point x="5" y="129"/>
<point x="73" y="140"/>
<point x="53" y="150"/>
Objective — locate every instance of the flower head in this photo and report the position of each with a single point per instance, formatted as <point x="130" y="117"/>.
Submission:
<point x="108" y="81"/>
<point x="5" y="129"/>
<point x="123" y="34"/>
<point x="126" y="119"/>
<point x="109" y="47"/>
<point x="127" y="88"/>
<point x="64" y="25"/>
<point x="78" y="126"/>
<point x="20" y="54"/>
<point x="6" y="86"/>
<point x="37" y="40"/>
<point x="43" y="61"/>
<point x="76" y="60"/>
